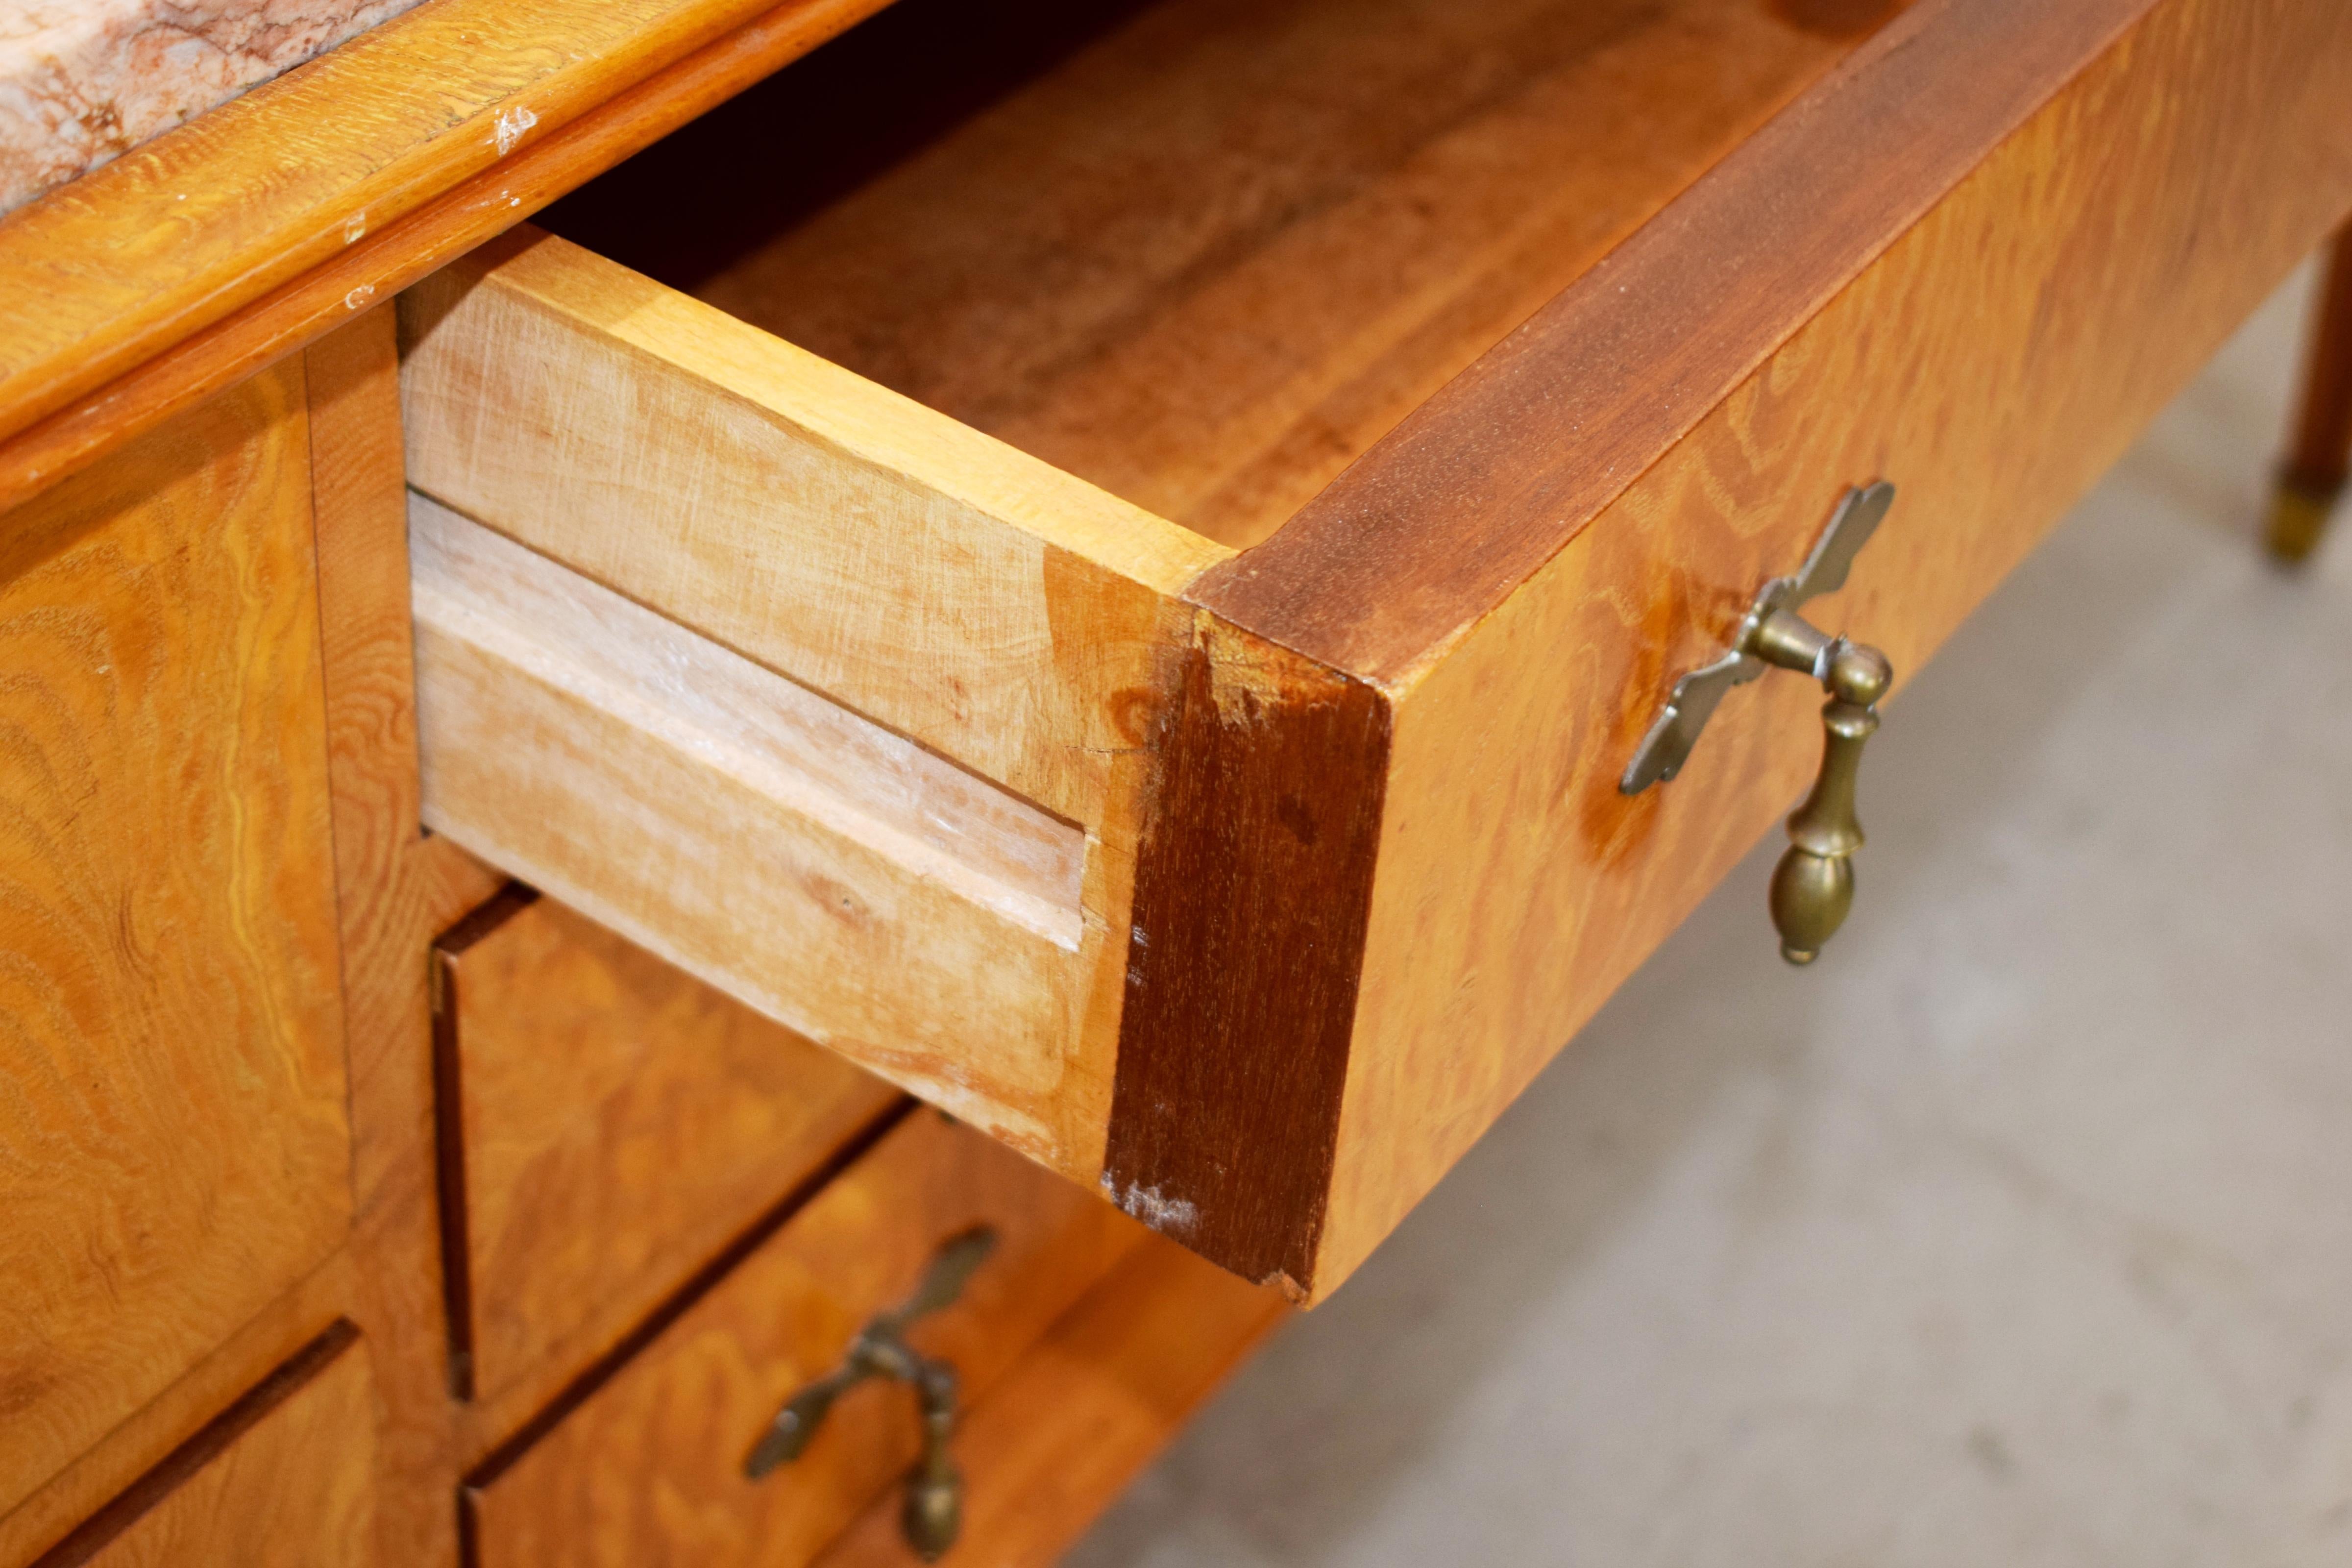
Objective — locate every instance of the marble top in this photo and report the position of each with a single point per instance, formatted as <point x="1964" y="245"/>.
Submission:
<point x="82" y="81"/>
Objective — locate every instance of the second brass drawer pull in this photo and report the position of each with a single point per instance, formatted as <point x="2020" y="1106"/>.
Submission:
<point x="1812" y="888"/>
<point x="934" y="1507"/>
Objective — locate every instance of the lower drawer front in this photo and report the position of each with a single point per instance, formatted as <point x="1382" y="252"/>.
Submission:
<point x="608" y="1124"/>
<point x="281" y="1480"/>
<point x="647" y="1465"/>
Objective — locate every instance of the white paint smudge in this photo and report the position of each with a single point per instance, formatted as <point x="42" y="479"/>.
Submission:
<point x="359" y="297"/>
<point x="354" y="227"/>
<point x="1170" y="1216"/>
<point x="507" y="129"/>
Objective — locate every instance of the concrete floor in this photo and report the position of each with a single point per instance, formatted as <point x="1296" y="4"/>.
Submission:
<point x="2018" y="1231"/>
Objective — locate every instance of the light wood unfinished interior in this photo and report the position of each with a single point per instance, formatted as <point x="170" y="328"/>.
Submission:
<point x="1213" y="249"/>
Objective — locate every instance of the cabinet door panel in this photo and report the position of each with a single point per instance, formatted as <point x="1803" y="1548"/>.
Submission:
<point x="174" y="1146"/>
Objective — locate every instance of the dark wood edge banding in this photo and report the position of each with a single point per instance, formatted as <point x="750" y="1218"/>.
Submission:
<point x="1444" y="517"/>
<point x="94" y="1534"/>
<point x="1252" y="894"/>
<point x="449" y="1124"/>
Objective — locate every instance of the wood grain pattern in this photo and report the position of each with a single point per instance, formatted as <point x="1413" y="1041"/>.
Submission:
<point x="282" y="1478"/>
<point x="1993" y="361"/>
<point x="224" y="342"/>
<point x="1233" y="1049"/>
<point x="396" y="889"/>
<point x="109" y="269"/>
<point x="854" y="886"/>
<point x="1084" y="1412"/>
<point x="1486" y="482"/>
<point x="143" y="1441"/>
<point x="172" y="1077"/>
<point x="975" y="600"/>
<point x="2321" y="447"/>
<point x="1210" y="258"/>
<point x="647" y="1469"/>
<point x="621" y="1121"/>
<point x="900" y="563"/>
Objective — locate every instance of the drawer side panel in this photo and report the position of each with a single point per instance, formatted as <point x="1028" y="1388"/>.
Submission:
<point x="910" y="917"/>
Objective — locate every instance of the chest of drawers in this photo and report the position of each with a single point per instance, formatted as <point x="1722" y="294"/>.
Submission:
<point x="1102" y="571"/>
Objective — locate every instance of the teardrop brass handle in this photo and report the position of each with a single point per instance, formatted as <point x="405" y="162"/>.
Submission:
<point x="933" y="1515"/>
<point x="1812" y="888"/>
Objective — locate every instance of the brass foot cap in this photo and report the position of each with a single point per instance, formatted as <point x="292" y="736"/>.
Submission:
<point x="2298" y="517"/>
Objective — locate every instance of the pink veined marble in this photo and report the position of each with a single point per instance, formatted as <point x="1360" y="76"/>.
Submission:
<point x="84" y="80"/>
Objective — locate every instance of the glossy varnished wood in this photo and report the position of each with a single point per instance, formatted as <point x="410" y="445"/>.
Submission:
<point x="293" y="243"/>
<point x="172" y="1077"/>
<point x="141" y="1442"/>
<point x="1992" y="358"/>
<point x="617" y="1123"/>
<point x="1312" y="1017"/>
<point x="1083" y="1412"/>
<point x="645" y="1466"/>
<point x="396" y="889"/>
<point x="282" y="1478"/>
<point x="1989" y="292"/>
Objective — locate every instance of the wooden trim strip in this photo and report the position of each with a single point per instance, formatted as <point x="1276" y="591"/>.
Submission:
<point x="100" y="1531"/>
<point x="1440" y="521"/>
<point x="58" y="411"/>
<point x="449" y="1126"/>
<point x="1253" y="895"/>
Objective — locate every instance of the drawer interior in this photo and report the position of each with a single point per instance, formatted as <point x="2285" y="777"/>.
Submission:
<point x="1201" y="253"/>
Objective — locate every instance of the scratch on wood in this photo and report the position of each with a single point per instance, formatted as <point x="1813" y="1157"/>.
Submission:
<point x="508" y="127"/>
<point x="1170" y="1216"/>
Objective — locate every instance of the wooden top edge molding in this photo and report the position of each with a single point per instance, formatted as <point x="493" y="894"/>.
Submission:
<point x="1441" y="520"/>
<point x="303" y="178"/>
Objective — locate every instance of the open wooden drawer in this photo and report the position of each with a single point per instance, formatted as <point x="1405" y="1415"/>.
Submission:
<point x="1244" y="845"/>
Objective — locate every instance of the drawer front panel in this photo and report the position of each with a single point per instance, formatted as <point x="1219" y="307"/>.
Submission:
<point x="174" y="1147"/>
<point x="1062" y="1434"/>
<point x="284" y="1478"/>
<point x="609" y="1123"/>
<point x="1992" y="363"/>
<point x="648" y="1467"/>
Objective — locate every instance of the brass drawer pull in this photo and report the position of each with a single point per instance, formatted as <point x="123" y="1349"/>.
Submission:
<point x="934" y="1508"/>
<point x="1812" y="888"/>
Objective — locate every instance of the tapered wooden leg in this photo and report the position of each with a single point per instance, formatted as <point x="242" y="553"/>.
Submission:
<point x="2312" y="475"/>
